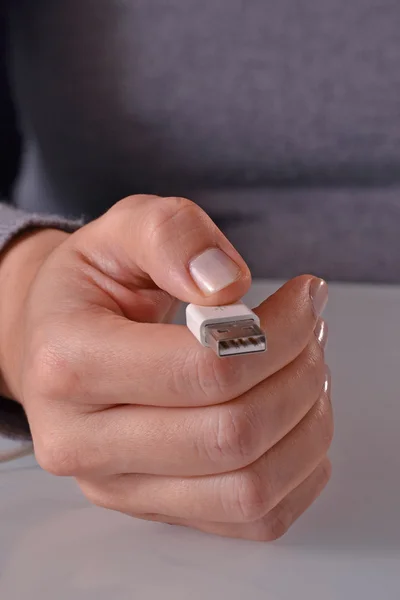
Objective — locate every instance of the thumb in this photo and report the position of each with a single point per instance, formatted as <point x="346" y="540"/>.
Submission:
<point x="170" y="242"/>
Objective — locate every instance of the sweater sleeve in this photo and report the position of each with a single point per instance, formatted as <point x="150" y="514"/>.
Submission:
<point x="13" y="421"/>
<point x="14" y="221"/>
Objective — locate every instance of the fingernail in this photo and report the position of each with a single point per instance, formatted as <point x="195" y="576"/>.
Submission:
<point x="213" y="271"/>
<point x="328" y="380"/>
<point x="319" y="295"/>
<point x="321" y="332"/>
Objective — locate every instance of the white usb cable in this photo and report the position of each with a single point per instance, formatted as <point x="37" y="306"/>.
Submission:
<point x="229" y="330"/>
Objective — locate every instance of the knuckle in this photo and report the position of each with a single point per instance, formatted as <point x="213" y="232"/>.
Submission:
<point x="278" y="521"/>
<point x="121" y="213"/>
<point x="66" y="450"/>
<point x="250" y="500"/>
<point x="169" y="217"/>
<point x="234" y="436"/>
<point x="55" y="456"/>
<point x="120" y="208"/>
<point x="212" y="379"/>
<point x="224" y="376"/>
<point x="52" y="373"/>
<point x="276" y="524"/>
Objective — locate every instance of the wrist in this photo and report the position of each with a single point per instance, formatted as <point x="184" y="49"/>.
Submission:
<point x="19" y="264"/>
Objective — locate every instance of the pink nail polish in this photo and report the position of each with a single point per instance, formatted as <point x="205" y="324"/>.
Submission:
<point x="213" y="271"/>
<point x="328" y="380"/>
<point x="319" y="295"/>
<point x="321" y="332"/>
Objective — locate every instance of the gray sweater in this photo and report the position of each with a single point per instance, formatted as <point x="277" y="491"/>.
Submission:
<point x="281" y="119"/>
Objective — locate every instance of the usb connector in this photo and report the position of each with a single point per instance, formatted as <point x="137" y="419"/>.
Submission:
<point x="229" y="330"/>
<point x="237" y="337"/>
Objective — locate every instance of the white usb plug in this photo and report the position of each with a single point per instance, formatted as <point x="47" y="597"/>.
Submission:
<point x="229" y="330"/>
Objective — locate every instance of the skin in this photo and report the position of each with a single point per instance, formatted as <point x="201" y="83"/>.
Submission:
<point x="148" y="421"/>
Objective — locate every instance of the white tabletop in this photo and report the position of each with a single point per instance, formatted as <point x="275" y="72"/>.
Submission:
<point x="54" y="545"/>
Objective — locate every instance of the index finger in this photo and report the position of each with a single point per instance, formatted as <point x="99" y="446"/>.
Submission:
<point x="121" y="362"/>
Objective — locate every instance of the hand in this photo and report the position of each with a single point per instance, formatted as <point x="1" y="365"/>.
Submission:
<point x="148" y="421"/>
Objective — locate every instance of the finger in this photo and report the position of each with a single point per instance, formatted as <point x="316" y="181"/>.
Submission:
<point x="186" y="441"/>
<point x="291" y="316"/>
<point x="242" y="496"/>
<point x="278" y="521"/>
<point x="164" y="365"/>
<point x="169" y="242"/>
<point x="321" y="333"/>
<point x="275" y="524"/>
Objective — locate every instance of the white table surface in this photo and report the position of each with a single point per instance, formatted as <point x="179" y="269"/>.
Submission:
<point x="54" y="545"/>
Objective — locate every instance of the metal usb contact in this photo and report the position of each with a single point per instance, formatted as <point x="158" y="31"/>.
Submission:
<point x="230" y="330"/>
<point x="237" y="337"/>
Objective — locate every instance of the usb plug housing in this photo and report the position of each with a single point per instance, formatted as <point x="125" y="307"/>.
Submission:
<point x="229" y="330"/>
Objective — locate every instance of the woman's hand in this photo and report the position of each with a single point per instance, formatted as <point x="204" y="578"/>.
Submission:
<point x="148" y="421"/>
